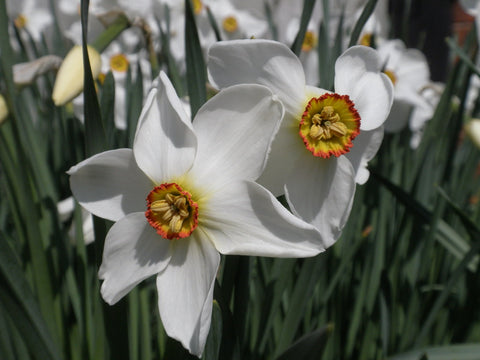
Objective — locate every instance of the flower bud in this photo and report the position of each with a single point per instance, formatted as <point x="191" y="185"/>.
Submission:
<point x="69" y="81"/>
<point x="3" y="109"/>
<point x="472" y="128"/>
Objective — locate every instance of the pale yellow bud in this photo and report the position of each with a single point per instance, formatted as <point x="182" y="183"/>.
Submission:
<point x="69" y="81"/>
<point x="472" y="128"/>
<point x="3" y="109"/>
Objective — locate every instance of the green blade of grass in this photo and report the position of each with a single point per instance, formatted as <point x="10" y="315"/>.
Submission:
<point x="196" y="70"/>
<point x="21" y="305"/>
<point x="304" y="19"/>
<point x="367" y="11"/>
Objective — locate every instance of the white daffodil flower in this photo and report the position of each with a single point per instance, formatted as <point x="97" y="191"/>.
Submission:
<point x="319" y="126"/>
<point x="185" y="193"/>
<point x="234" y="22"/>
<point x="31" y="15"/>
<point x="408" y="69"/>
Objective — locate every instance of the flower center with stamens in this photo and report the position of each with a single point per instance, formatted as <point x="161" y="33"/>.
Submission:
<point x="391" y="75"/>
<point x="329" y="124"/>
<point x="119" y="63"/>
<point x="20" y="21"/>
<point x="171" y="211"/>
<point x="230" y="24"/>
<point x="309" y="41"/>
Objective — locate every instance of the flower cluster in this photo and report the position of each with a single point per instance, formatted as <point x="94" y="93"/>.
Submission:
<point x="188" y="191"/>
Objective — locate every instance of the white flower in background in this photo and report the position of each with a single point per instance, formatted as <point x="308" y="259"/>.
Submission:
<point x="377" y="25"/>
<point x="423" y="111"/>
<point x="33" y="16"/>
<point x="236" y="23"/>
<point x="119" y="63"/>
<point x="408" y="69"/>
<point x="65" y="210"/>
<point x="185" y="193"/>
<point x="287" y="15"/>
<point x="305" y="162"/>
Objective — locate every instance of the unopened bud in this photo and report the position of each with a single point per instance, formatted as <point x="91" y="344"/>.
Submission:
<point x="3" y="109"/>
<point x="472" y="128"/>
<point x="69" y="81"/>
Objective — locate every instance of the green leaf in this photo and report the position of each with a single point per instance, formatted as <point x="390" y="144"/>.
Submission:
<point x="448" y="352"/>
<point x="17" y="298"/>
<point x="367" y="11"/>
<point x="305" y="18"/>
<point x="95" y="134"/>
<point x="196" y="69"/>
<point x="214" y="339"/>
<point x="308" y="347"/>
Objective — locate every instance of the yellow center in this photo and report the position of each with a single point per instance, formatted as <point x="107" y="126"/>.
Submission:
<point x="230" y="24"/>
<point x="101" y="78"/>
<point x="20" y="21"/>
<point x="197" y="6"/>
<point x="171" y="211"/>
<point x="119" y="63"/>
<point x="309" y="41"/>
<point x="391" y="75"/>
<point x="366" y="39"/>
<point x="329" y="124"/>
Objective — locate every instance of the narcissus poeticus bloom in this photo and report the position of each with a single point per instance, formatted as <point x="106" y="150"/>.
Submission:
<point x="319" y="126"/>
<point x="184" y="193"/>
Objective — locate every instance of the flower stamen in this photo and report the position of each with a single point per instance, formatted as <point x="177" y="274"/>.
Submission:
<point x="329" y="124"/>
<point x="171" y="211"/>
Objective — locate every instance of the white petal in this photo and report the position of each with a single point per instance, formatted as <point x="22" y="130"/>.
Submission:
<point x="234" y="131"/>
<point x="321" y="192"/>
<point x="357" y="74"/>
<point x="264" y="62"/>
<point x="133" y="252"/>
<point x="110" y="184"/>
<point x="165" y="144"/>
<point x="185" y="291"/>
<point x="287" y="148"/>
<point x="353" y="64"/>
<point x="365" y="147"/>
<point x="245" y="219"/>
<point x="372" y="95"/>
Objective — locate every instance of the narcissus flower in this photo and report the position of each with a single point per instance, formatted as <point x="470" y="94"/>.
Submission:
<point x="319" y="126"/>
<point x="185" y="193"/>
<point x="69" y="80"/>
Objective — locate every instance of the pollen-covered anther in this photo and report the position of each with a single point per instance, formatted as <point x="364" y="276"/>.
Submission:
<point x="329" y="124"/>
<point x="171" y="211"/>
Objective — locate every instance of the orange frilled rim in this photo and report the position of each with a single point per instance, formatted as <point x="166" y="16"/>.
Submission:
<point x="161" y="221"/>
<point x="337" y="144"/>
